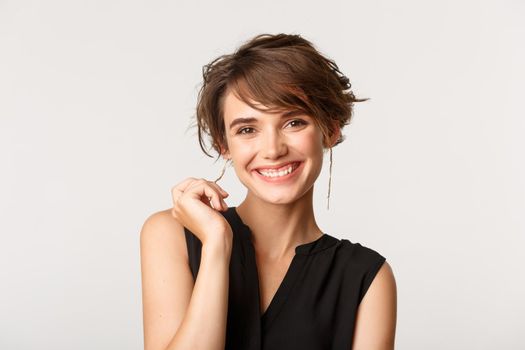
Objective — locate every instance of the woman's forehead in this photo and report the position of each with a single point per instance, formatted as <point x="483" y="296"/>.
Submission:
<point x="235" y="107"/>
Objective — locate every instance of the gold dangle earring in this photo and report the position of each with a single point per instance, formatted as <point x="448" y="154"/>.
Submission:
<point x="223" y="170"/>
<point x="329" y="181"/>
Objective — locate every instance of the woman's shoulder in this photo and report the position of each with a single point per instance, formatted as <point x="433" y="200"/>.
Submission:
<point x="359" y="251"/>
<point x="161" y="229"/>
<point x="358" y="256"/>
<point x="354" y="249"/>
<point x="361" y="263"/>
<point x="164" y="221"/>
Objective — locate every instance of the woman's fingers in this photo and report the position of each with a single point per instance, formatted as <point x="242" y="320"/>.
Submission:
<point x="206" y="192"/>
<point x="178" y="189"/>
<point x="181" y="186"/>
<point x="214" y="195"/>
<point x="223" y="192"/>
<point x="222" y="195"/>
<point x="195" y="205"/>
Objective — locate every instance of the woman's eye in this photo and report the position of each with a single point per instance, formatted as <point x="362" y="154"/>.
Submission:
<point x="299" y="122"/>
<point x="241" y="131"/>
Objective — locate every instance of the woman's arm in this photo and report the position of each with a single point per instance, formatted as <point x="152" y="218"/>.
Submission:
<point x="179" y="314"/>
<point x="375" y="326"/>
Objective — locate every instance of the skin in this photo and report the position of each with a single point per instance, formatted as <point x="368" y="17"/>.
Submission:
<point x="269" y="141"/>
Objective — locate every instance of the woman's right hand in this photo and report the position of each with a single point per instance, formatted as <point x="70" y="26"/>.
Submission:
<point x="192" y="207"/>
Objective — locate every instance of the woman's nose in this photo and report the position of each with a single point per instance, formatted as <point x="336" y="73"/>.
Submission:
<point x="273" y="145"/>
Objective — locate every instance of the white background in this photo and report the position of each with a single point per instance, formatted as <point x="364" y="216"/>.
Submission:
<point x="95" y="101"/>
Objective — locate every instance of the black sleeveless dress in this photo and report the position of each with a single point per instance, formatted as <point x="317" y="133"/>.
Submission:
<point x="315" y="305"/>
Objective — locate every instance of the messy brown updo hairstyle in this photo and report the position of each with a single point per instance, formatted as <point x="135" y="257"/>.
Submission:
<point x="283" y="72"/>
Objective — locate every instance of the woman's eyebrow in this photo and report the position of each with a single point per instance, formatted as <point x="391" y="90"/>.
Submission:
<point x="242" y="121"/>
<point x="253" y="120"/>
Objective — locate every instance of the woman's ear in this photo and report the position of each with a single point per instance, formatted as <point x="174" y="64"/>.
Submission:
<point x="225" y="153"/>
<point x="335" y="135"/>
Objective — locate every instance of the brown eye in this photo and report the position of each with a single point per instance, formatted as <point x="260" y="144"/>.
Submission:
<point x="299" y="122"/>
<point x="242" y="129"/>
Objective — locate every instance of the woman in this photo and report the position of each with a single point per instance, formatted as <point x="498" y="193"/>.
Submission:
<point x="263" y="275"/>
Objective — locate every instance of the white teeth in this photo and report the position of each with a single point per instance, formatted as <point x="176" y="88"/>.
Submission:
<point x="276" y="173"/>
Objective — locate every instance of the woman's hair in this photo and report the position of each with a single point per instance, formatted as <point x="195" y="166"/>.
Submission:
<point x="282" y="72"/>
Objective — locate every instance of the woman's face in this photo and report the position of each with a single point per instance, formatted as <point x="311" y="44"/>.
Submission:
<point x="258" y="141"/>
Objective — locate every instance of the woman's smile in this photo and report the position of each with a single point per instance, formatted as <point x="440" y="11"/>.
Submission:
<point x="283" y="175"/>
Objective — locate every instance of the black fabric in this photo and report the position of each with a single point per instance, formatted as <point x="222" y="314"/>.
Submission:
<point x="315" y="305"/>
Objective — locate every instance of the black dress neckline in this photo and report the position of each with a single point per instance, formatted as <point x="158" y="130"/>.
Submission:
<point x="321" y="243"/>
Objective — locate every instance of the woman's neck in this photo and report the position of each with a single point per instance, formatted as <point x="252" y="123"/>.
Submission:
<point x="278" y="228"/>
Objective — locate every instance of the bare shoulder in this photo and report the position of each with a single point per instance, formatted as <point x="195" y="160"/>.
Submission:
<point x="167" y="282"/>
<point x="162" y="228"/>
<point x="377" y="313"/>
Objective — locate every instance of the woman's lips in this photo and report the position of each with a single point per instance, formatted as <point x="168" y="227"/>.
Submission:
<point x="283" y="167"/>
<point x="281" y="179"/>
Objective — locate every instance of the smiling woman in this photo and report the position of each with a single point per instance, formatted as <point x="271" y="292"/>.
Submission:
<point x="263" y="274"/>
